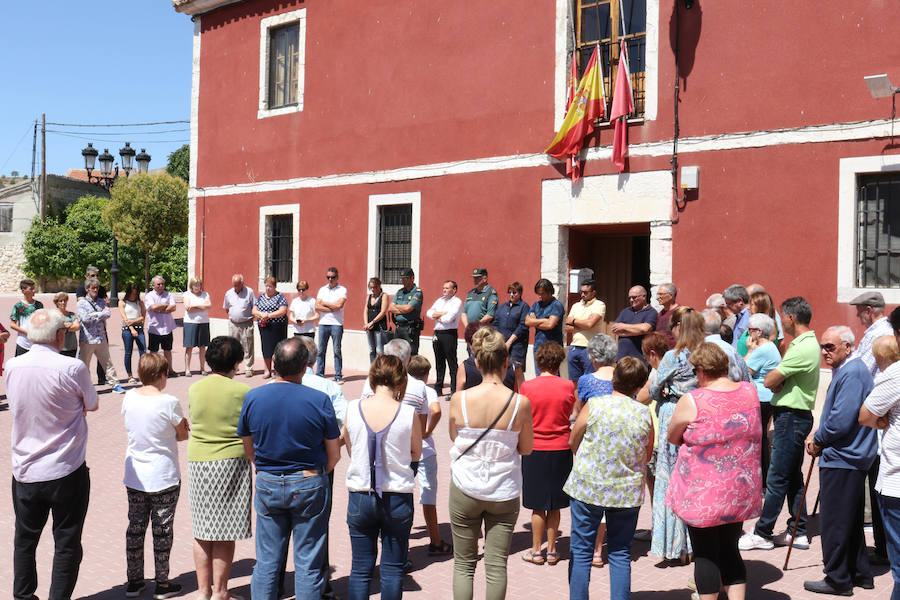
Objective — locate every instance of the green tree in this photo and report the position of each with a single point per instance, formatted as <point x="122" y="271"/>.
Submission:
<point x="180" y="163"/>
<point x="148" y="212"/>
<point x="14" y="174"/>
<point x="64" y="245"/>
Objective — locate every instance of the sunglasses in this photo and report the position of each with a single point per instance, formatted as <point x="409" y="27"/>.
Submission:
<point x="331" y="277"/>
<point x="828" y="347"/>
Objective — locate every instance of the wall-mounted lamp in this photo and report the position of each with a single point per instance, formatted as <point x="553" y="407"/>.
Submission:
<point x="880" y="86"/>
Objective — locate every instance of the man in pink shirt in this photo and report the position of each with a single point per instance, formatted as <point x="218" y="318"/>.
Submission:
<point x="49" y="395"/>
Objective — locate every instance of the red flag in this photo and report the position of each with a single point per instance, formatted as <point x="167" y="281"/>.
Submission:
<point x="587" y="105"/>
<point x="622" y="106"/>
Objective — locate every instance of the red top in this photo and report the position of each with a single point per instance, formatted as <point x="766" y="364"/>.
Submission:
<point x="552" y="399"/>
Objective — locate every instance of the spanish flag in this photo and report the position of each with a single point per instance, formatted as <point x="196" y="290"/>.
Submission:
<point x="588" y="104"/>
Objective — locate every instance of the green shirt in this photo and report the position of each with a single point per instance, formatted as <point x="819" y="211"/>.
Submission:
<point x="479" y="304"/>
<point x="800" y="366"/>
<point x="412" y="296"/>
<point x="215" y="407"/>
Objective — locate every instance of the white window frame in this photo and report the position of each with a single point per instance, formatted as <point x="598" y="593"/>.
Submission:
<point x="850" y="169"/>
<point x="378" y="200"/>
<point x="265" y="26"/>
<point x="268" y="211"/>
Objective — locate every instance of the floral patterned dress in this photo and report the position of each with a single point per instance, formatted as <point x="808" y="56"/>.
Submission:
<point x="674" y="378"/>
<point x="717" y="477"/>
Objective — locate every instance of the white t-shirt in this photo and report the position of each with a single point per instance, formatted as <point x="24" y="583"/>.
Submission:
<point x="327" y="294"/>
<point x="414" y="396"/>
<point x="191" y="299"/>
<point x="302" y="310"/>
<point x="428" y="443"/>
<point x="151" y="458"/>
<point x="884" y="399"/>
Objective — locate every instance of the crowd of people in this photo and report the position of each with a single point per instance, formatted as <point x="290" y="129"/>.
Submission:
<point x="672" y="405"/>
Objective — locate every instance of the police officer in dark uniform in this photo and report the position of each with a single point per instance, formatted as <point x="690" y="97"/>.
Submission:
<point x="406" y="308"/>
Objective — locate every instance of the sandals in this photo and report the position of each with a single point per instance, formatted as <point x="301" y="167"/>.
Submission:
<point x="531" y="557"/>
<point x="598" y="560"/>
<point x="552" y="558"/>
<point x="439" y="549"/>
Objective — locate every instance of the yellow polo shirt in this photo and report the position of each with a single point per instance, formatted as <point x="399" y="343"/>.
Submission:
<point x="581" y="310"/>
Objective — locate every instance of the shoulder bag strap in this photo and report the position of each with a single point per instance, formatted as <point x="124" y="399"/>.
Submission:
<point x="491" y="426"/>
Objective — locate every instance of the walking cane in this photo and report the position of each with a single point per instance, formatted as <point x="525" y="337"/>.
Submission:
<point x="797" y="518"/>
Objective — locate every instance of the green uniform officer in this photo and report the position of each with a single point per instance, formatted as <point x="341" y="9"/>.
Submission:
<point x="481" y="302"/>
<point x="406" y="308"/>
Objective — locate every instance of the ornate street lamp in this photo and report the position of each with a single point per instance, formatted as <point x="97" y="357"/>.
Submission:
<point x="108" y="175"/>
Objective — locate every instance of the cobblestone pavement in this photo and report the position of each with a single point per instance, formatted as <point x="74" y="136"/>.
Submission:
<point x="103" y="569"/>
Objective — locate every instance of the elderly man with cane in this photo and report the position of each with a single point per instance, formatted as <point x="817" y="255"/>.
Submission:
<point x="846" y="450"/>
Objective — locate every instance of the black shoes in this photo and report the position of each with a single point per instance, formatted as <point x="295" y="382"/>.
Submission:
<point x="824" y="587"/>
<point x="166" y="590"/>
<point x="134" y="588"/>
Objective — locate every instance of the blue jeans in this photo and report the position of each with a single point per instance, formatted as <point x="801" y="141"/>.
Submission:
<point x="785" y="477"/>
<point x="128" y="341"/>
<point x="391" y="516"/>
<point x="890" y="512"/>
<point x="578" y="362"/>
<point x="335" y="332"/>
<point x="376" y="343"/>
<point x="288" y="504"/>
<point x="620" y="526"/>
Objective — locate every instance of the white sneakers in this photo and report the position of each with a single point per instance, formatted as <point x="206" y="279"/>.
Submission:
<point x="751" y="541"/>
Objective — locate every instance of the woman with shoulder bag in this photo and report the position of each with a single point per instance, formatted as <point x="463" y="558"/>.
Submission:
<point x="490" y="429"/>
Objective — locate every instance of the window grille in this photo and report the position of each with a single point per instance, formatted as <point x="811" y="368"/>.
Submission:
<point x="6" y="217"/>
<point x="280" y="247"/>
<point x="878" y="231"/>
<point x="394" y="241"/>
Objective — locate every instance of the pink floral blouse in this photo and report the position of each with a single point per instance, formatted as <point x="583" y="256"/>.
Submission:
<point x="717" y="476"/>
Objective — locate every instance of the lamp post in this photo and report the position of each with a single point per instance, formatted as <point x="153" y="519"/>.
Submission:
<point x="106" y="179"/>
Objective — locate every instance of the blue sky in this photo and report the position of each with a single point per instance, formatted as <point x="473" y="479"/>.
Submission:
<point x="124" y="61"/>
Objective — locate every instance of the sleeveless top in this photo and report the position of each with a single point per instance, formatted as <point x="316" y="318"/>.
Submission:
<point x="372" y="311"/>
<point x="132" y="310"/>
<point x="717" y="476"/>
<point x="380" y="460"/>
<point x="492" y="470"/>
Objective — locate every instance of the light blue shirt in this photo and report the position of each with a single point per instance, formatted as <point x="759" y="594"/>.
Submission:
<point x="761" y="361"/>
<point x="330" y="389"/>
<point x="741" y="322"/>
<point x="93" y="315"/>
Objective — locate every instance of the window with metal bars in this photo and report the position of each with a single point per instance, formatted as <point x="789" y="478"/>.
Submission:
<point x="394" y="241"/>
<point x="607" y="22"/>
<point x="284" y="65"/>
<point x="280" y="247"/>
<point x="6" y="217"/>
<point x="878" y="230"/>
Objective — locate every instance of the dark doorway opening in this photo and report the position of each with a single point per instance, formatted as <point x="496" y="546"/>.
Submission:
<point x="620" y="258"/>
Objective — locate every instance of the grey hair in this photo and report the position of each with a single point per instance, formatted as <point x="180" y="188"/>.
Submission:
<point x="844" y="332"/>
<point x="602" y="350"/>
<point x="91" y="282"/>
<point x="238" y="275"/>
<point x="399" y="348"/>
<point x="160" y="277"/>
<point x="669" y="287"/>
<point x="713" y="320"/>
<point x="736" y="292"/>
<point x="43" y="326"/>
<point x="715" y="301"/>
<point x="91" y="269"/>
<point x="763" y="322"/>
<point x="310" y="347"/>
